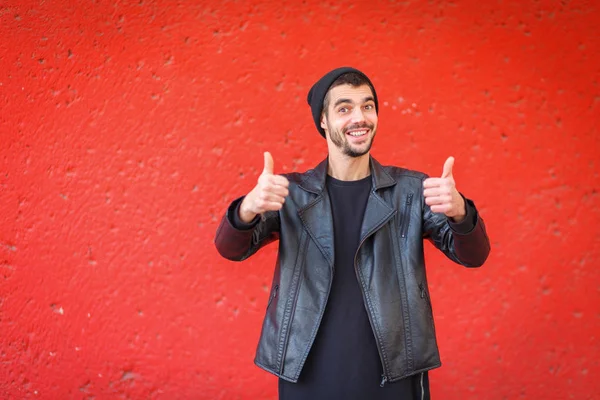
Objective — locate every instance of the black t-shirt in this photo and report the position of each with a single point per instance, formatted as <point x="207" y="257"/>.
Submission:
<point x="343" y="362"/>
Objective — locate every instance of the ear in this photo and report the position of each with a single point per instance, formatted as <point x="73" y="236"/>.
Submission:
<point x="323" y="121"/>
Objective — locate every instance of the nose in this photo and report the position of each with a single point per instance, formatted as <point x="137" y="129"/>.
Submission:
<point x="357" y="114"/>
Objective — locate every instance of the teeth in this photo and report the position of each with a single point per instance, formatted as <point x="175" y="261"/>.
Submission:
<point x="357" y="133"/>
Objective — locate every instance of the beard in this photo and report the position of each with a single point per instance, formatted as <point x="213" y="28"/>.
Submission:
<point x="339" y="139"/>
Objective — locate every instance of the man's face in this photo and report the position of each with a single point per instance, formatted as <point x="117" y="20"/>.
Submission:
<point x="350" y="121"/>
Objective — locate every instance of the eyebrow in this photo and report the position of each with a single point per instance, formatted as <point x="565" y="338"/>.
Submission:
<point x="342" y="101"/>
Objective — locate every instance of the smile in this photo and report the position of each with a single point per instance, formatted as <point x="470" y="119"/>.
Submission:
<point x="358" y="133"/>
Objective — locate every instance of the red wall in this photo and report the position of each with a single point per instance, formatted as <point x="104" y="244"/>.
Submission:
<point x="126" y="127"/>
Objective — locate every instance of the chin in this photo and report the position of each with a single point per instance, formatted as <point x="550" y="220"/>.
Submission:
<point x="354" y="152"/>
<point x="359" y="151"/>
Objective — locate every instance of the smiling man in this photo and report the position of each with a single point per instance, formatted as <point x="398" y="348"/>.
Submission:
<point x="349" y="315"/>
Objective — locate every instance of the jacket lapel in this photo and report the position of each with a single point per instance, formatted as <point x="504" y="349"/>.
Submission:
<point x="318" y="221"/>
<point x="378" y="212"/>
<point x="316" y="214"/>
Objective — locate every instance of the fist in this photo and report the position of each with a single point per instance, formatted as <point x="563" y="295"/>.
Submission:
<point x="268" y="195"/>
<point x="441" y="194"/>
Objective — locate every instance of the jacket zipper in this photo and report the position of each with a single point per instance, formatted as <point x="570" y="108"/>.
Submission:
<point x="273" y="295"/>
<point x="406" y="216"/>
<point x="384" y="377"/>
<point x="383" y="380"/>
<point x="323" y="308"/>
<point x="422" y="387"/>
<point x="424" y="294"/>
<point x="293" y="305"/>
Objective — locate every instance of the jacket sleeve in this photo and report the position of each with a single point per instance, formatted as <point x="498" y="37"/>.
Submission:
<point x="237" y="241"/>
<point x="465" y="243"/>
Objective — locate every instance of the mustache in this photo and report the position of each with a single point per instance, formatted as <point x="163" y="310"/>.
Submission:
<point x="358" y="126"/>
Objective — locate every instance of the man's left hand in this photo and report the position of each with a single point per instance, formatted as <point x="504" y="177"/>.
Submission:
<point x="441" y="194"/>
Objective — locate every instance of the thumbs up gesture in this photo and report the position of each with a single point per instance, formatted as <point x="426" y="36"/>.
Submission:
<point x="441" y="194"/>
<point x="268" y="195"/>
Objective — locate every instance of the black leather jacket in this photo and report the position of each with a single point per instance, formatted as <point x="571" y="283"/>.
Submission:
<point x="389" y="266"/>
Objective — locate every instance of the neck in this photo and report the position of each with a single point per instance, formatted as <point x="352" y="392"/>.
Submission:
<point x="347" y="168"/>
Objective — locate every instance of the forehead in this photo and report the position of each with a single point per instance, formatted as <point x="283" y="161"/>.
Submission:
<point x="354" y="94"/>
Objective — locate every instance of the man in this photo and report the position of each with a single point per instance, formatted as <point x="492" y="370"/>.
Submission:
<point x="349" y="315"/>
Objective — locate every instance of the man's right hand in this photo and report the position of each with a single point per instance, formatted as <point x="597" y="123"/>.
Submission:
<point x="268" y="195"/>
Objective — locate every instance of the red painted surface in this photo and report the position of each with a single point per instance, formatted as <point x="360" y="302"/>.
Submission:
<point x="127" y="127"/>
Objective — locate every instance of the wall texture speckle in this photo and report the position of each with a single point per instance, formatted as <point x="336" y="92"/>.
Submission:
<point x="126" y="127"/>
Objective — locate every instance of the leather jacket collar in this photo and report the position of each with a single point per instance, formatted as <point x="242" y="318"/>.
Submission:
<point x="314" y="180"/>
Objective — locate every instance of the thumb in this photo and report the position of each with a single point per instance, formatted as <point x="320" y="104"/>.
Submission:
<point x="268" y="169"/>
<point x="447" y="173"/>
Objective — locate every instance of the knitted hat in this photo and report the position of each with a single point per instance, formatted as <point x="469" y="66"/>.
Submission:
<point x="317" y="93"/>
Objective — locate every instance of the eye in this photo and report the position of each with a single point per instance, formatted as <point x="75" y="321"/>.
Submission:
<point x="369" y="107"/>
<point x="343" y="110"/>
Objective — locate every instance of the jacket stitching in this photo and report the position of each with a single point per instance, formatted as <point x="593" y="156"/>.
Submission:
<point x="403" y="298"/>
<point x="312" y="334"/>
<point x="289" y="311"/>
<point x="376" y="326"/>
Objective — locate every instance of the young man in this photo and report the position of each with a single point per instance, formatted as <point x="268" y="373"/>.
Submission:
<point x="349" y="315"/>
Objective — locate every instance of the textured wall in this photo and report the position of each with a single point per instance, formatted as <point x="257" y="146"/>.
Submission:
<point x="126" y="127"/>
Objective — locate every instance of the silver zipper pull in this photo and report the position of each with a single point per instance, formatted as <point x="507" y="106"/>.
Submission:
<point x="383" y="380"/>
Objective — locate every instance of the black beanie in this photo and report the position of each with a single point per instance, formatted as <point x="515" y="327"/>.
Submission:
<point x="317" y="93"/>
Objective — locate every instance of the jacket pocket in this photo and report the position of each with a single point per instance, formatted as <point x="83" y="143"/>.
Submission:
<point x="274" y="293"/>
<point x="425" y="297"/>
<point x="405" y="220"/>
